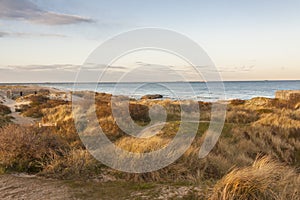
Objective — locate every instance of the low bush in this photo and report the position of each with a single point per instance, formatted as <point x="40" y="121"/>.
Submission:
<point x="4" y="110"/>
<point x="28" y="149"/>
<point x="4" y="118"/>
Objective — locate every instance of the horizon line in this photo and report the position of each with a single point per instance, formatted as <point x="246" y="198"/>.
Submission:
<point x="110" y="82"/>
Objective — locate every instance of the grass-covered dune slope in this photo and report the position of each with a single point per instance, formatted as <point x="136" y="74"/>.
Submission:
<point x="256" y="157"/>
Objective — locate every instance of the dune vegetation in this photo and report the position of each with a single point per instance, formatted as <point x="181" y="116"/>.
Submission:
<point x="256" y="157"/>
<point x="4" y="118"/>
<point x="264" y="179"/>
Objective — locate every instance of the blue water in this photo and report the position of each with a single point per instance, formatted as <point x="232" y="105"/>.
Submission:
<point x="178" y="90"/>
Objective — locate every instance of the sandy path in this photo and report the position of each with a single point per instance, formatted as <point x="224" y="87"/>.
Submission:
<point x="14" y="187"/>
<point x="18" y="119"/>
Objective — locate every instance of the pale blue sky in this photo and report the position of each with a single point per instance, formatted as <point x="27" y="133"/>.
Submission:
<point x="247" y="40"/>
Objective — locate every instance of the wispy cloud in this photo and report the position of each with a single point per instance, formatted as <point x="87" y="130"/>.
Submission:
<point x="24" y="34"/>
<point x="28" y="11"/>
<point x="60" y="67"/>
<point x="91" y="71"/>
<point x="139" y="63"/>
<point x="244" y="68"/>
<point x="40" y="68"/>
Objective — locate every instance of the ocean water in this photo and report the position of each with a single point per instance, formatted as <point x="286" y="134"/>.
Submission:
<point x="194" y="90"/>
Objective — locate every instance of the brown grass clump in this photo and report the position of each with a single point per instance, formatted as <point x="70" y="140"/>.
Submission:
<point x="139" y="145"/>
<point x="266" y="179"/>
<point x="256" y="139"/>
<point x="62" y="116"/>
<point x="38" y="103"/>
<point x="4" y="110"/>
<point x="283" y="119"/>
<point x="263" y="103"/>
<point x="4" y="118"/>
<point x="28" y="149"/>
<point x="295" y="115"/>
<point x="103" y="102"/>
<point x="77" y="163"/>
<point x="241" y="116"/>
<point x="237" y="102"/>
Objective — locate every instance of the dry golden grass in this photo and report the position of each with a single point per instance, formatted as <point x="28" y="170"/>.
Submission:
<point x="62" y="116"/>
<point x="28" y="149"/>
<point x="77" y="163"/>
<point x="241" y="116"/>
<point x="259" y="126"/>
<point x="263" y="103"/>
<point x="266" y="179"/>
<point x="38" y="103"/>
<point x="245" y="132"/>
<point x="139" y="145"/>
<point x="284" y="119"/>
<point x="237" y="102"/>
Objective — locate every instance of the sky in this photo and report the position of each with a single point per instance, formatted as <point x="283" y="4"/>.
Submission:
<point x="48" y="41"/>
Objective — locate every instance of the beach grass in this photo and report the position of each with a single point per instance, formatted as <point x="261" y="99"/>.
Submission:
<point x="259" y="143"/>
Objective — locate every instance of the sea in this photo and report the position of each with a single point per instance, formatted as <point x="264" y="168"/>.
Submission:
<point x="200" y="91"/>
